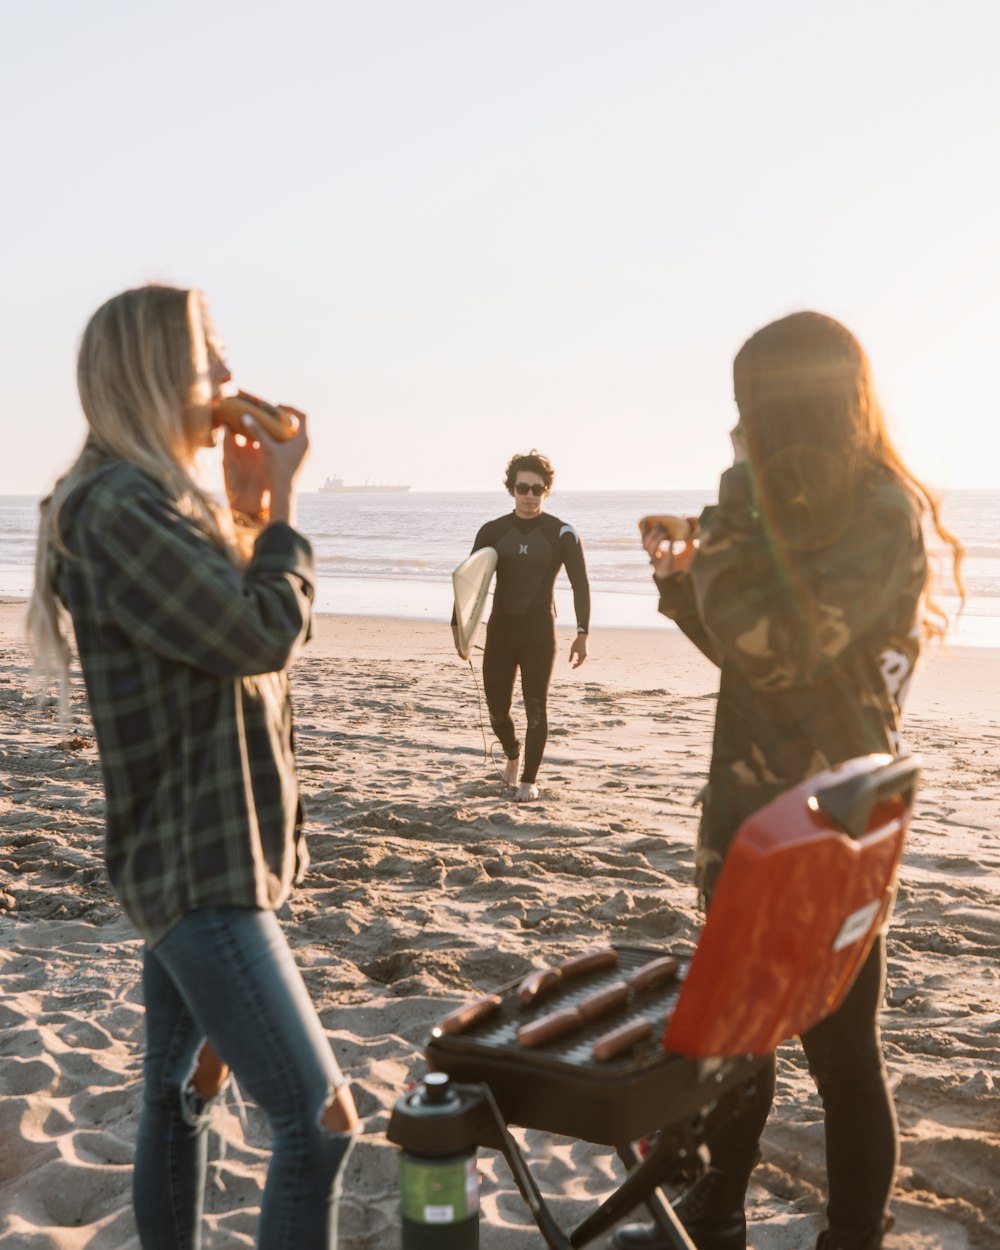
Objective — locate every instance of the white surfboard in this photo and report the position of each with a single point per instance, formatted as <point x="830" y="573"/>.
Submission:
<point x="471" y="582"/>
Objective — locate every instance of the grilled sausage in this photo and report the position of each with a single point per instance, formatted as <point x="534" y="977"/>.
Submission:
<point x="592" y="962"/>
<point x="618" y="1041"/>
<point x="603" y="1002"/>
<point x="535" y="984"/>
<point x="663" y="969"/>
<point x="468" y="1015"/>
<point x="549" y="1027"/>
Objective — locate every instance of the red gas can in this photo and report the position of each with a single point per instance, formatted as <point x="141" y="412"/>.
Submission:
<point x="807" y="883"/>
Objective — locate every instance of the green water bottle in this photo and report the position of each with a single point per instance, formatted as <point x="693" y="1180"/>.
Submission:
<point x="438" y="1125"/>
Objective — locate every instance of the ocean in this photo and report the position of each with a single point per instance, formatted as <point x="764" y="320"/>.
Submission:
<point x="392" y="555"/>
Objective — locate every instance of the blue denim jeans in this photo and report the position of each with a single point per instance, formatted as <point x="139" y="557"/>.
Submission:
<point x="227" y="974"/>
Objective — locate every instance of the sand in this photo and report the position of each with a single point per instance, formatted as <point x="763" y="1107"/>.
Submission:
<point x="429" y="885"/>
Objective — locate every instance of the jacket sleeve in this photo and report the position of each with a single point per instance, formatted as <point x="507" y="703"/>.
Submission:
<point x="783" y="616"/>
<point x="171" y="589"/>
<point x="575" y="564"/>
<point x="677" y="602"/>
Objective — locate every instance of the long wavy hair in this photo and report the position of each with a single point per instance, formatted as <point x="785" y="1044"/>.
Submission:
<point x="142" y="366"/>
<point x="815" y="433"/>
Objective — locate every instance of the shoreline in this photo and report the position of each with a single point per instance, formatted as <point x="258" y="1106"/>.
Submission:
<point x="629" y="606"/>
<point x="948" y="680"/>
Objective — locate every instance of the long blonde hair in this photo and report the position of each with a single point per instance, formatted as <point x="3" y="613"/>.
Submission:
<point x="814" y="427"/>
<point x="142" y="364"/>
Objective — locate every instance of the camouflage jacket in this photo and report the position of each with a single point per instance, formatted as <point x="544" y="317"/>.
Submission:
<point x="816" y="648"/>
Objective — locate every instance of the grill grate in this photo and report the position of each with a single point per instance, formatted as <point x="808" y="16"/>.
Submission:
<point x="561" y="1088"/>
<point x="498" y="1034"/>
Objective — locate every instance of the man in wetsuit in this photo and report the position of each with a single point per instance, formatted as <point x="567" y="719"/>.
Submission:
<point x="521" y="633"/>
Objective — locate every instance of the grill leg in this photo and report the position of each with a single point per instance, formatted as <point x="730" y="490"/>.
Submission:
<point x="657" y="1204"/>
<point x="555" y="1238"/>
<point x="641" y="1185"/>
<point x="676" y="1148"/>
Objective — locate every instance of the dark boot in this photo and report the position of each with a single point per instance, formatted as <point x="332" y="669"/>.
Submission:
<point x="830" y="1240"/>
<point x="711" y="1211"/>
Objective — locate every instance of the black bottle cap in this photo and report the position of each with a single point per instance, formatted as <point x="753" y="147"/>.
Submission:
<point x="436" y="1089"/>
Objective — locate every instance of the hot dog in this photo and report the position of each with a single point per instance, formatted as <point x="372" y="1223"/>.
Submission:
<point x="549" y="1027"/>
<point x="663" y="969"/>
<point x="618" y="1041"/>
<point x="592" y="962"/>
<point x="604" y="1001"/>
<point x="679" y="529"/>
<point x="230" y="410"/>
<point x="471" y="1013"/>
<point x="535" y="984"/>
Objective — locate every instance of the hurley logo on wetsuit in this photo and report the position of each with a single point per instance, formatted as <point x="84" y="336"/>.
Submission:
<point x="522" y="549"/>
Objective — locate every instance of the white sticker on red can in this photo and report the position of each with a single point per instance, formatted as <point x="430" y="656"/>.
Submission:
<point x="856" y="925"/>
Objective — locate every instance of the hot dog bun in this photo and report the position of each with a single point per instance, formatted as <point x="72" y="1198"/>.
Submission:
<point x="277" y="424"/>
<point x="679" y="529"/>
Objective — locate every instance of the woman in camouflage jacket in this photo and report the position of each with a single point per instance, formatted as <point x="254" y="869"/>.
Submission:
<point x="808" y="588"/>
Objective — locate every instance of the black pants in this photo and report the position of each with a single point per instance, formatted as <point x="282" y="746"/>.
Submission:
<point x="527" y="643"/>
<point x="862" y="1140"/>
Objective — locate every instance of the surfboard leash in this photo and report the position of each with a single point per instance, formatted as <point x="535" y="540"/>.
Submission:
<point x="479" y="699"/>
<point x="489" y="753"/>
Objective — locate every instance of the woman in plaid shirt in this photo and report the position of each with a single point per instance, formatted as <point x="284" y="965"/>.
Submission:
<point x="185" y="623"/>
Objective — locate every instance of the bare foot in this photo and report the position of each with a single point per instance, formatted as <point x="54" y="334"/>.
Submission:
<point x="511" y="769"/>
<point x="527" y="792"/>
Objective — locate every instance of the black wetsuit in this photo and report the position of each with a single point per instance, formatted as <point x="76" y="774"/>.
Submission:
<point x="521" y="629"/>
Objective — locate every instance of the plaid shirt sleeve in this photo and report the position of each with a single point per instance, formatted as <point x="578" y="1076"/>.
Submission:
<point x="176" y="593"/>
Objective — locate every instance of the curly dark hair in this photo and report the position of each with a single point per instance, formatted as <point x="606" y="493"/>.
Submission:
<point x="533" y="462"/>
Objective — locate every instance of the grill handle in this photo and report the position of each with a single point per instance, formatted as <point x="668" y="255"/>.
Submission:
<point x="850" y="803"/>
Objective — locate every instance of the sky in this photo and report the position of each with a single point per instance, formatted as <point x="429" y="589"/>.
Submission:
<point x="451" y="230"/>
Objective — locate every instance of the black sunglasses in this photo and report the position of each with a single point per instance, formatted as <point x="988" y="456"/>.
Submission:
<point x="535" y="489"/>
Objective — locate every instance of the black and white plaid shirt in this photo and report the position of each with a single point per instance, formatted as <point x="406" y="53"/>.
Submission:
<point x="183" y="656"/>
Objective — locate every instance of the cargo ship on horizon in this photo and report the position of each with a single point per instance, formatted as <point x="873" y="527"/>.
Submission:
<point x="336" y="486"/>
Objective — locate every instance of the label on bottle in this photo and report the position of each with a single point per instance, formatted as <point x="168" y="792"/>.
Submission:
<point x="438" y="1191"/>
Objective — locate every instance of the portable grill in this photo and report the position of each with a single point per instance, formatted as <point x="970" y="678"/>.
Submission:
<point x="807" y="884"/>
<point x="562" y="1088"/>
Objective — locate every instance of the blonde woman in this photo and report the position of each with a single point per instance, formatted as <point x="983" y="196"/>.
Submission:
<point x="184" y="631"/>
<point x="808" y="589"/>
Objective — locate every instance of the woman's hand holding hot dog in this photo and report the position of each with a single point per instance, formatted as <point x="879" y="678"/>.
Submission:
<point x="666" y="555"/>
<point x="260" y="471"/>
